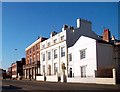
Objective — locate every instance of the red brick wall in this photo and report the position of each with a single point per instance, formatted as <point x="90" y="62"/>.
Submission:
<point x="35" y="50"/>
<point x="106" y="35"/>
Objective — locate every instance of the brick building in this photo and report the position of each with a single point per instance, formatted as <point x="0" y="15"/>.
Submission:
<point x="17" y="68"/>
<point x="32" y="66"/>
<point x="9" y="72"/>
<point x="117" y="61"/>
<point x="2" y="73"/>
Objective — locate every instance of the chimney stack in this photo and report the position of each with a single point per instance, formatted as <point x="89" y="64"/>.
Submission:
<point x="65" y="27"/>
<point x="113" y="38"/>
<point x="106" y="35"/>
<point x="78" y="23"/>
<point x="53" y="34"/>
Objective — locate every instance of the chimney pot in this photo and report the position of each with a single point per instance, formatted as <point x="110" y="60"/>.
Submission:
<point x="106" y="35"/>
<point x="113" y="38"/>
<point x="78" y="23"/>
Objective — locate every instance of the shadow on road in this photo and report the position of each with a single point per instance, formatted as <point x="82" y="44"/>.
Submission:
<point x="10" y="87"/>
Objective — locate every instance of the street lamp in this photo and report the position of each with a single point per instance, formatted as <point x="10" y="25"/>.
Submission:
<point x="16" y="54"/>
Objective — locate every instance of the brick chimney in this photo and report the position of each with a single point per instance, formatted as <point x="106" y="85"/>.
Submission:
<point x="106" y="35"/>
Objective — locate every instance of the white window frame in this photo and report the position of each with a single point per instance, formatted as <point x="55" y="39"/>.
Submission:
<point x="70" y="57"/>
<point x="83" y="71"/>
<point x="49" y="55"/>
<point x="82" y="54"/>
<point x="43" y="68"/>
<point x="62" y="38"/>
<point x="43" y="46"/>
<point x="55" y="53"/>
<point x="43" y="56"/>
<point x="55" y="40"/>
<point x="62" y="51"/>
<point x="48" y="44"/>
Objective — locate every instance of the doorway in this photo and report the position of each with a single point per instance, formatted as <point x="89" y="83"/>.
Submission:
<point x="83" y="71"/>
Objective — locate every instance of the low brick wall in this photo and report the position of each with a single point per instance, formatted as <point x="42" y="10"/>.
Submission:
<point x="94" y="80"/>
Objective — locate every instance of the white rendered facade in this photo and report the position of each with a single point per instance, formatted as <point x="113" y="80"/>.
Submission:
<point x="50" y="54"/>
<point x="88" y="62"/>
<point x="97" y="55"/>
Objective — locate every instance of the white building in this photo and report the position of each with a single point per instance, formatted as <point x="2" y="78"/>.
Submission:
<point x="53" y="54"/>
<point x="93" y="60"/>
<point x="54" y="51"/>
<point x="88" y="56"/>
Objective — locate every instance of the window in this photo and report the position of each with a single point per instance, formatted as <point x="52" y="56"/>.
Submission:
<point x="55" y="68"/>
<point x="43" y="46"/>
<point x="83" y="54"/>
<point x="62" y="38"/>
<point x="48" y="43"/>
<point x="70" y="57"/>
<point x="43" y="68"/>
<point x="55" y="53"/>
<point x="49" y="55"/>
<point x="37" y="58"/>
<point x="62" y="51"/>
<point x="30" y="60"/>
<point x="33" y="48"/>
<point x="49" y="69"/>
<point x="34" y="58"/>
<point x="43" y="57"/>
<point x="83" y="71"/>
<point x="55" y="40"/>
<point x="36" y="46"/>
<point x="30" y="51"/>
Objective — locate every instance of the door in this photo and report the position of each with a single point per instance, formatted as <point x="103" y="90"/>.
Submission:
<point x="83" y="71"/>
<point x="70" y="72"/>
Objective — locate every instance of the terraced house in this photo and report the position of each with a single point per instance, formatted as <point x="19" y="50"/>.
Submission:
<point x="75" y="54"/>
<point x="32" y="66"/>
<point x="94" y="61"/>
<point x="54" y="51"/>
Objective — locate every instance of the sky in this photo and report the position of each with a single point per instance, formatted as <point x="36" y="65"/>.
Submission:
<point x="23" y="22"/>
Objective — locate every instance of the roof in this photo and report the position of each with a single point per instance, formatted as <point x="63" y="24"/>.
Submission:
<point x="40" y="39"/>
<point x="102" y="41"/>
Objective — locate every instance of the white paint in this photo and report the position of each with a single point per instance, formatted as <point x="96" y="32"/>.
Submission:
<point x="14" y="76"/>
<point x="90" y="60"/>
<point x="53" y="78"/>
<point x="70" y="38"/>
<point x="40" y="78"/>
<point x="51" y="49"/>
<point x="78" y="23"/>
<point x="98" y="55"/>
<point x="91" y="80"/>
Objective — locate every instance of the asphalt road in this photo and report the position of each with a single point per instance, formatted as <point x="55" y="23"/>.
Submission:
<point x="26" y="85"/>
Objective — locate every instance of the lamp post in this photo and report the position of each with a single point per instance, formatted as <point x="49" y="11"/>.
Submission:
<point x="16" y="54"/>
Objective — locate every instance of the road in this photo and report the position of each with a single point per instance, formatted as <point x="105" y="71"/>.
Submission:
<point x="26" y="85"/>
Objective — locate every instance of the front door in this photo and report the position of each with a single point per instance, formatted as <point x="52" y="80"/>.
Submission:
<point x="70" y="72"/>
<point x="83" y="71"/>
